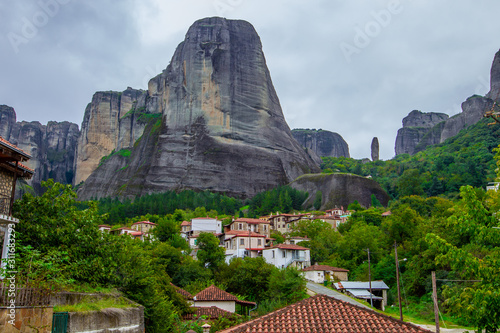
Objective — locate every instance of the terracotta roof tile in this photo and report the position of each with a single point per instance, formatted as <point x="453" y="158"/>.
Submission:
<point x="212" y="312"/>
<point x="243" y="233"/>
<point x="289" y="247"/>
<point x="14" y="147"/>
<point x="182" y="292"/>
<point x="185" y="223"/>
<point x="251" y="221"/>
<point x="214" y="293"/>
<point x="324" y="268"/>
<point x="144" y="222"/>
<point x="321" y="313"/>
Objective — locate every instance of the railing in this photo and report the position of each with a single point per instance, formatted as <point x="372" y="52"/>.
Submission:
<point x="23" y="296"/>
<point x="4" y="204"/>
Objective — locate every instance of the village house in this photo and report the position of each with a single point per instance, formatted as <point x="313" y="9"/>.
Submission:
<point x="259" y="226"/>
<point x="207" y="313"/>
<point x="321" y="313"/>
<point x="334" y="221"/>
<point x="284" y="255"/>
<point x="284" y="222"/>
<point x="320" y="273"/>
<point x="296" y="239"/>
<point x="240" y="244"/>
<point x="11" y="170"/>
<point x="214" y="296"/>
<point x="361" y="290"/>
<point x="144" y="226"/>
<point x="191" y="230"/>
<point x="104" y="228"/>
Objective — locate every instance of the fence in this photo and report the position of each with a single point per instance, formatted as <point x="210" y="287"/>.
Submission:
<point x="23" y="296"/>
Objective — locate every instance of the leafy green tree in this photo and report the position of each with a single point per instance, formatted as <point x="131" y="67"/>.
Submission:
<point x="410" y="183"/>
<point x="318" y="197"/>
<point x="287" y="285"/>
<point x="168" y="230"/>
<point x="210" y="254"/>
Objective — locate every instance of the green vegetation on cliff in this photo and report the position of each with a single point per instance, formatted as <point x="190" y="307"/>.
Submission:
<point x="465" y="159"/>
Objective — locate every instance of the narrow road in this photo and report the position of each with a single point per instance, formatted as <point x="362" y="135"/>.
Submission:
<point x="320" y="289"/>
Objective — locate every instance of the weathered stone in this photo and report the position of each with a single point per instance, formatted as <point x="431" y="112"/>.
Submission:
<point x="339" y="190"/>
<point x="222" y="127"/>
<point x="323" y="143"/>
<point x="112" y="121"/>
<point x="51" y="146"/>
<point x="494" y="92"/>
<point x="375" y="147"/>
<point x="423" y="129"/>
<point x="415" y="127"/>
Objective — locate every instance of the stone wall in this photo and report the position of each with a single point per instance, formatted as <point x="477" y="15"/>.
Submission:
<point x="130" y="320"/>
<point x="6" y="179"/>
<point x="27" y="320"/>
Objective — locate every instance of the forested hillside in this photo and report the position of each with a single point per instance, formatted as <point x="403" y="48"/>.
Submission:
<point x="466" y="159"/>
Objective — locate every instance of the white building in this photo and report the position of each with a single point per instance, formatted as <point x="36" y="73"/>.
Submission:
<point x="240" y="244"/>
<point x="284" y="255"/>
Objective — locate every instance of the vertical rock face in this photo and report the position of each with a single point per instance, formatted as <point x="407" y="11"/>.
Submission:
<point x="112" y="121"/>
<point x="375" y="147"/>
<point x="323" y="143"/>
<point x="222" y="127"/>
<point x="415" y="127"/>
<point x="51" y="146"/>
<point x="424" y="129"/>
<point x="7" y="120"/>
<point x="494" y="93"/>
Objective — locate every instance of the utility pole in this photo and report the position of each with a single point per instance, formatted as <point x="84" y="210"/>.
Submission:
<point x="370" y="277"/>
<point x="434" y="298"/>
<point x="397" y="279"/>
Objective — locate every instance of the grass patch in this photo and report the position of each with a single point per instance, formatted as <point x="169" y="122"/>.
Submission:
<point x="89" y="304"/>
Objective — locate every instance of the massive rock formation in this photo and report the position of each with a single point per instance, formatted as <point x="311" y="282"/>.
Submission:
<point x="112" y="121"/>
<point x="415" y="126"/>
<point x="222" y="127"/>
<point x="51" y="146"/>
<point x="340" y="190"/>
<point x="323" y="143"/>
<point x="423" y="129"/>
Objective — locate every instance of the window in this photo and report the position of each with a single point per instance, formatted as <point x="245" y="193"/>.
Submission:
<point x="240" y="226"/>
<point x="265" y="228"/>
<point x="284" y="254"/>
<point x="273" y="253"/>
<point x="292" y="242"/>
<point x="259" y="242"/>
<point x="242" y="241"/>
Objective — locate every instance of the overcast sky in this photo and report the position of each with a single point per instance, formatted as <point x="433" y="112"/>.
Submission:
<point x="355" y="67"/>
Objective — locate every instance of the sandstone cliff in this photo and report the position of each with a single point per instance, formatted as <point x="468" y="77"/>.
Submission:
<point x="222" y="128"/>
<point x="51" y="146"/>
<point x="423" y="129"/>
<point x="340" y="190"/>
<point x="112" y="121"/>
<point x="323" y="143"/>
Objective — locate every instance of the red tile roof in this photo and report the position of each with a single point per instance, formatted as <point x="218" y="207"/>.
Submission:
<point x="388" y="213"/>
<point x="185" y="223"/>
<point x="324" y="268"/>
<point x="213" y="293"/>
<point x="321" y="313"/>
<point x="13" y="147"/>
<point x="144" y="222"/>
<point x="212" y="312"/>
<point x="251" y="221"/>
<point x="182" y="292"/>
<point x="242" y="233"/>
<point x="204" y="218"/>
<point x="289" y="247"/>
